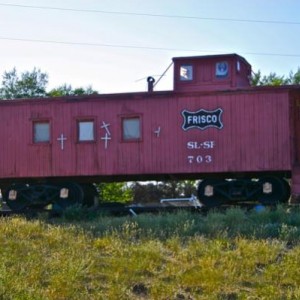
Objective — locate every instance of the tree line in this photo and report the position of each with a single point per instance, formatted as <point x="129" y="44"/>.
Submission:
<point x="273" y="79"/>
<point x="33" y="84"/>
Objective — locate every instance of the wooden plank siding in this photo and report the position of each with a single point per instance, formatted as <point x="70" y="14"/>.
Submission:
<point x="255" y="136"/>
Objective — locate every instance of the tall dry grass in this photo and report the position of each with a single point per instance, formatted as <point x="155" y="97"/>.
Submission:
<point x="231" y="255"/>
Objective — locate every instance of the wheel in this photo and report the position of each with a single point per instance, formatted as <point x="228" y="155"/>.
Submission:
<point x="274" y="190"/>
<point x="17" y="197"/>
<point x="43" y="194"/>
<point x="70" y="194"/>
<point x="210" y="192"/>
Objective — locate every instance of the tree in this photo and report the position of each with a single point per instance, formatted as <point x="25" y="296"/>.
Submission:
<point x="273" y="79"/>
<point x="33" y="85"/>
<point x="114" y="192"/>
<point x="146" y="193"/>
<point x="67" y="90"/>
<point x="154" y="192"/>
<point x="294" y="78"/>
<point x="27" y="85"/>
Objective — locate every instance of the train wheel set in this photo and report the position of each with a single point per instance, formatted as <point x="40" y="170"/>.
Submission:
<point x="269" y="190"/>
<point x="22" y="196"/>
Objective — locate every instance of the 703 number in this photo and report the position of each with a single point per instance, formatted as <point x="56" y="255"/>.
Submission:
<point x="199" y="159"/>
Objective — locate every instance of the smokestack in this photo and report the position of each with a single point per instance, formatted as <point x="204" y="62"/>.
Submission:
<point x="150" y="81"/>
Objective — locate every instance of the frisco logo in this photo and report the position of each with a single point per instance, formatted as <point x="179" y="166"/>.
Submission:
<point x="202" y="119"/>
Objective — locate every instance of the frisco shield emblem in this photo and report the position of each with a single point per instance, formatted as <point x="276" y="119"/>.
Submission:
<point x="202" y="119"/>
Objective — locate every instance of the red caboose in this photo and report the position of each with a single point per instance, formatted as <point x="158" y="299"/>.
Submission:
<point x="241" y="140"/>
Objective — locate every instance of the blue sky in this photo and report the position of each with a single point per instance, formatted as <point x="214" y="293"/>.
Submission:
<point x="113" y="45"/>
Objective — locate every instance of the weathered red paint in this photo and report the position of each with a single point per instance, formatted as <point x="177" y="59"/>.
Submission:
<point x="204" y="73"/>
<point x="260" y="132"/>
<point x="254" y="136"/>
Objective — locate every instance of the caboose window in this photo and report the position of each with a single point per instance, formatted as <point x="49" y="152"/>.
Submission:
<point x="131" y="129"/>
<point x="41" y="132"/>
<point x="222" y="69"/>
<point x="186" y="72"/>
<point x="86" y="131"/>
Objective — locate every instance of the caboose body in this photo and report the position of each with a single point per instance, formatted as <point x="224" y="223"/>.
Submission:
<point x="242" y="141"/>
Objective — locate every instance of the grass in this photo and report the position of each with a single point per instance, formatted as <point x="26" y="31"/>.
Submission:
<point x="223" y="255"/>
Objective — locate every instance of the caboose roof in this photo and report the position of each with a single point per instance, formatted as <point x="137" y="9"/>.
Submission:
<point x="214" y="56"/>
<point x="135" y="96"/>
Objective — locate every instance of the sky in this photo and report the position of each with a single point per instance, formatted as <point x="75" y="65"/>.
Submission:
<point x="114" y="45"/>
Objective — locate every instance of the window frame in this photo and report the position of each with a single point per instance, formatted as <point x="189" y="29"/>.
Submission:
<point x="85" y="120"/>
<point x="41" y="121"/>
<point x="220" y="74"/>
<point x="191" y="77"/>
<point x="131" y="117"/>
